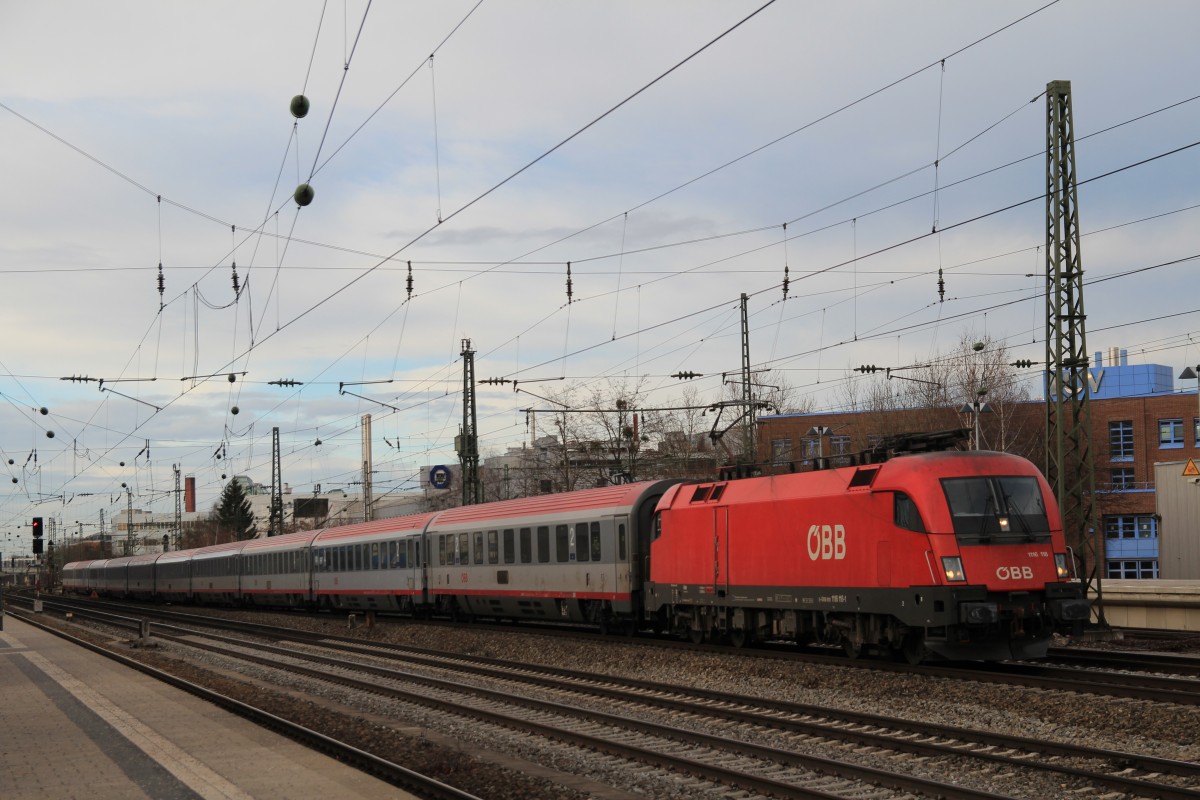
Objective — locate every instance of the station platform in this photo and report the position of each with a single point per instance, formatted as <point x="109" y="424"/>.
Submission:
<point x="1159" y="604"/>
<point x="74" y="724"/>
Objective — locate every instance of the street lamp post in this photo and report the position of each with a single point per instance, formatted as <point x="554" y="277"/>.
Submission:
<point x="1193" y="374"/>
<point x="977" y="407"/>
<point x="820" y="431"/>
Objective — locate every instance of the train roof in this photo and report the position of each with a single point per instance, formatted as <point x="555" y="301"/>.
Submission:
<point x="217" y="550"/>
<point x="950" y="464"/>
<point x="621" y="497"/>
<point x="287" y="541"/>
<point x="900" y="473"/>
<point x="376" y="528"/>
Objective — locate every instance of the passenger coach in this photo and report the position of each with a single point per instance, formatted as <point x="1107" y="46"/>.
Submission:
<point x="575" y="556"/>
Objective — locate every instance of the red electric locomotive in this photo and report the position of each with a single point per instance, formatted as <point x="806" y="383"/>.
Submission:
<point x="960" y="554"/>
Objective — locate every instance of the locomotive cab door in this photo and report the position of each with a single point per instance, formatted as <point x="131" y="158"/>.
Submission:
<point x="720" y="551"/>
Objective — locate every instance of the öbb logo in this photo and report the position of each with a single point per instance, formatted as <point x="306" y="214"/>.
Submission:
<point x="826" y="542"/>
<point x="1014" y="573"/>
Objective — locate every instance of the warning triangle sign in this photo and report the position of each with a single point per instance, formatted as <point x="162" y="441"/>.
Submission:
<point x="1190" y="470"/>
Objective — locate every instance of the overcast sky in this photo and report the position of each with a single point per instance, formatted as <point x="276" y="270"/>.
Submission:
<point x="659" y="148"/>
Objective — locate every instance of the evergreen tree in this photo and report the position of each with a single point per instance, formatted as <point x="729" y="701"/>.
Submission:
<point x="233" y="514"/>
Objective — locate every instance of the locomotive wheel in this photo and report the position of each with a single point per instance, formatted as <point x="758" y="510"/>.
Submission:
<point x="737" y="637"/>
<point x="696" y="635"/>
<point x="852" y="649"/>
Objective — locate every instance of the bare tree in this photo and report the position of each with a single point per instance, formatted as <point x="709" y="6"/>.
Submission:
<point x="682" y="433"/>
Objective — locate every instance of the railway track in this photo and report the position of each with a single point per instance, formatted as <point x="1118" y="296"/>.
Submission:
<point x="1106" y="673"/>
<point x="690" y="731"/>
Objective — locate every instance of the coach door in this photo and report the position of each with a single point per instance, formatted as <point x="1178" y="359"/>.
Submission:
<point x="720" y="550"/>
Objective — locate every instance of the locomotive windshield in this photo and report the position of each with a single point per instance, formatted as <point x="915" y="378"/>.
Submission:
<point x="997" y="510"/>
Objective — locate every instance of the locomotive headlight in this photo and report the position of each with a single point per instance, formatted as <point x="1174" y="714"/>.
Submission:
<point x="953" y="568"/>
<point x="1060" y="561"/>
<point x="1004" y="524"/>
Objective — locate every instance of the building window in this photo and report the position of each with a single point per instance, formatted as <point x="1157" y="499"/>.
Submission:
<point x="1120" y="440"/>
<point x="1196" y="431"/>
<point x="1129" y="526"/>
<point x="1122" y="479"/>
<point x="811" y="447"/>
<point x="1170" y="433"/>
<point x="1133" y="570"/>
<point x="781" y="451"/>
<point x="839" y="445"/>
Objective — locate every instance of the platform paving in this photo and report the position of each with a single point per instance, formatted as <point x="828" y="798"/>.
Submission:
<point x="74" y="724"/>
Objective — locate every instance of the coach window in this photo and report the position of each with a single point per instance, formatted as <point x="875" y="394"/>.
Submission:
<point x="621" y="542"/>
<point x="526" y="545"/>
<point x="510" y="552"/>
<point x="493" y="547"/>
<point x="562" y="543"/>
<point x="905" y="514"/>
<point x="441" y="549"/>
<point x="478" y="547"/>
<point x="375" y="555"/>
<point x="543" y="544"/>
<point x="595" y="543"/>
<point x="463" y="552"/>
<point x="581" y="542"/>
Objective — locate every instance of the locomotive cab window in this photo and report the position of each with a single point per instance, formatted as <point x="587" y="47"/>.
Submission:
<point x="997" y="509"/>
<point x="905" y="514"/>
